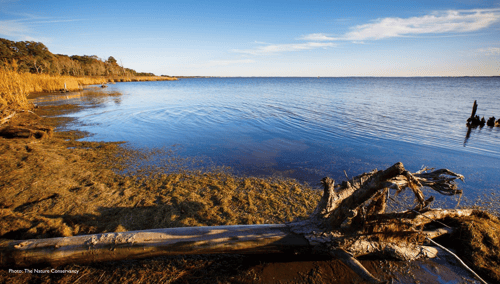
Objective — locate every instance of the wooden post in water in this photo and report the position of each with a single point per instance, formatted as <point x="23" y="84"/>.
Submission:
<point x="474" y="109"/>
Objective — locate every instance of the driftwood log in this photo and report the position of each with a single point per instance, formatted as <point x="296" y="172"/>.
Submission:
<point x="270" y="238"/>
<point x="349" y="221"/>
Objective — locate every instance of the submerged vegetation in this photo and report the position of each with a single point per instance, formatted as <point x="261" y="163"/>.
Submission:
<point x="54" y="187"/>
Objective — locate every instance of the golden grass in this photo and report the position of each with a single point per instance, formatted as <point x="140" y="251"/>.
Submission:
<point x="15" y="87"/>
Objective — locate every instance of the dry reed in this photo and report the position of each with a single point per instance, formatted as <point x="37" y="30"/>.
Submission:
<point x="15" y="87"/>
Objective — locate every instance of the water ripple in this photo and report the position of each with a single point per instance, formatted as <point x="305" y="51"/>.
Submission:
<point x="352" y="119"/>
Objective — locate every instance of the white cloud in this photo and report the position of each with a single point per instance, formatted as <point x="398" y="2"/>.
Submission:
<point x="436" y="23"/>
<point x="452" y="21"/>
<point x="229" y="62"/>
<point x="275" y="48"/>
<point x="489" y="51"/>
<point x="318" y="37"/>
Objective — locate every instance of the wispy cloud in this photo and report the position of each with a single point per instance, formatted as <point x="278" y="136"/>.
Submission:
<point x="19" y="31"/>
<point x="452" y="21"/>
<point x="436" y="23"/>
<point x="13" y="28"/>
<point x="54" y="21"/>
<point x="488" y="51"/>
<point x="275" y="48"/>
<point x="23" y="27"/>
<point x="444" y="23"/>
<point x="230" y="62"/>
<point x="319" y="37"/>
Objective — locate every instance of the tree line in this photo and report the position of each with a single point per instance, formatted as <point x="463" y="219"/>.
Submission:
<point x="35" y="57"/>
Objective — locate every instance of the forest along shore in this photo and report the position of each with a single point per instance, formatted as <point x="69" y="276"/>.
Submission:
<point x="53" y="185"/>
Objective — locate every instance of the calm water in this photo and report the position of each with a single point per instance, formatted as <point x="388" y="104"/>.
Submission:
<point x="308" y="128"/>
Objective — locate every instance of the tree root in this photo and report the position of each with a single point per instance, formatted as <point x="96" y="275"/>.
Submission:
<point x="351" y="217"/>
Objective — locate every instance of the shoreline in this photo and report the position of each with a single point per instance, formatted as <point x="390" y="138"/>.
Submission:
<point x="41" y="190"/>
<point x="15" y="87"/>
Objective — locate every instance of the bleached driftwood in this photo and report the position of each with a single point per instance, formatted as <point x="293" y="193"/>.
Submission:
<point x="269" y="238"/>
<point x="349" y="221"/>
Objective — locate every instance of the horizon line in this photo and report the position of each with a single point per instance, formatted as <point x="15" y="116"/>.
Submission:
<point x="352" y="76"/>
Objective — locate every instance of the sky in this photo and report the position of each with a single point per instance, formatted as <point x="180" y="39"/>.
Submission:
<point x="269" y="38"/>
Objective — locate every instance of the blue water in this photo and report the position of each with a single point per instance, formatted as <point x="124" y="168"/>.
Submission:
<point x="308" y="128"/>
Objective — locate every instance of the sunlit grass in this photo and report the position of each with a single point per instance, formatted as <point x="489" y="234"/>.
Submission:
<point x="15" y="87"/>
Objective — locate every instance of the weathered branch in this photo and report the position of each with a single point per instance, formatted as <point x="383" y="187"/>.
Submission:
<point x="417" y="220"/>
<point x="7" y="117"/>
<point x="402" y="251"/>
<point x="337" y="205"/>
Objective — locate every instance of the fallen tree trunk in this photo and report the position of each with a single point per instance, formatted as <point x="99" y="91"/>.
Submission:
<point x="349" y="221"/>
<point x="150" y="243"/>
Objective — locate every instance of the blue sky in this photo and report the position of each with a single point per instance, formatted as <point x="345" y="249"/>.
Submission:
<point x="269" y="38"/>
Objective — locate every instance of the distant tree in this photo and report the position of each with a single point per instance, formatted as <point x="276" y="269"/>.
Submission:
<point x="112" y="60"/>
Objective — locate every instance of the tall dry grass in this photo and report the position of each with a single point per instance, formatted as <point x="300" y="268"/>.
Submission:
<point x="13" y="91"/>
<point x="15" y="87"/>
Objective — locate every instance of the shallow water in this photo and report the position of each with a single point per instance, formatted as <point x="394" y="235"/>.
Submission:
<point x="308" y="128"/>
